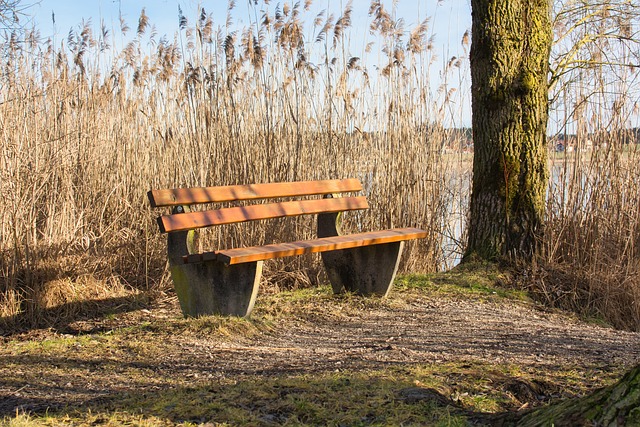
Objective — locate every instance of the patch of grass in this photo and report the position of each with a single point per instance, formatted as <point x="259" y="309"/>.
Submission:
<point x="479" y="280"/>
<point x="306" y="304"/>
<point x="596" y="319"/>
<point x="434" y="395"/>
<point x="352" y="399"/>
<point x="52" y="345"/>
<point x="90" y="419"/>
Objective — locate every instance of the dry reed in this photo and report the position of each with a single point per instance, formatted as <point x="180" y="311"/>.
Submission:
<point x="88" y="129"/>
<point x="592" y="261"/>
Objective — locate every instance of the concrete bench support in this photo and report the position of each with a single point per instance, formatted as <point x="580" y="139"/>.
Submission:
<point x="210" y="287"/>
<point x="365" y="270"/>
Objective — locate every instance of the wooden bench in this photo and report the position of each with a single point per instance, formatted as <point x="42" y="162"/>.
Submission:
<point x="226" y="281"/>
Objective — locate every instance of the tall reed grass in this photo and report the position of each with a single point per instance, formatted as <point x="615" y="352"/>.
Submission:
<point x="88" y="129"/>
<point x="592" y="260"/>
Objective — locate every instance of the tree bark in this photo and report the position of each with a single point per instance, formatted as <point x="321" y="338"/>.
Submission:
<point x="617" y="405"/>
<point x="511" y="43"/>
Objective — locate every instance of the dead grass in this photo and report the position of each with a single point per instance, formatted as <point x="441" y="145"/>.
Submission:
<point x="591" y="263"/>
<point x="90" y="128"/>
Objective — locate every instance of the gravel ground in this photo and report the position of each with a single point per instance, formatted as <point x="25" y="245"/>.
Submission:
<point x="151" y="349"/>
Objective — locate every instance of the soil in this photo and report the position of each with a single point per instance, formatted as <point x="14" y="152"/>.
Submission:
<point x="152" y="348"/>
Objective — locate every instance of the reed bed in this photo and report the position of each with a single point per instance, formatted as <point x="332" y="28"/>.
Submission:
<point x="592" y="259"/>
<point x="90" y="123"/>
<point x="591" y="263"/>
<point x="88" y="129"/>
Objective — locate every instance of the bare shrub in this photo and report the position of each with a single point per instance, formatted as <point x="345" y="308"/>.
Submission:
<point x="592" y="262"/>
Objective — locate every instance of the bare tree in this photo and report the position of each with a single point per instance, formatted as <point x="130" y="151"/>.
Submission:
<point x="10" y="11"/>
<point x="511" y="43"/>
<point x="595" y="63"/>
<point x="13" y="18"/>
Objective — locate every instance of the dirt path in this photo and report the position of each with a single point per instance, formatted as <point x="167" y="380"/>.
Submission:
<point x="154" y="349"/>
<point x="428" y="331"/>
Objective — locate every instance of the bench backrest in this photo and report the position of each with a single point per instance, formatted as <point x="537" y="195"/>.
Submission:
<point x="252" y="192"/>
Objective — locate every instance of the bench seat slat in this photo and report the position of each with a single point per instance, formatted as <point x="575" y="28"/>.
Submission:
<point x="229" y="193"/>
<point x="260" y="253"/>
<point x="191" y="220"/>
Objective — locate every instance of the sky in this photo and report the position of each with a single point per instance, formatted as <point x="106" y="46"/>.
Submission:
<point x="449" y="20"/>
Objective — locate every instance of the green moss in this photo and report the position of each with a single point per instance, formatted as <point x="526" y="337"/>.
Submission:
<point x="181" y="286"/>
<point x="529" y="81"/>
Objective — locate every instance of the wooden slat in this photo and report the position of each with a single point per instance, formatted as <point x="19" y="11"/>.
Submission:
<point x="191" y="220"/>
<point x="190" y="196"/>
<point x="260" y="253"/>
<point x="206" y="256"/>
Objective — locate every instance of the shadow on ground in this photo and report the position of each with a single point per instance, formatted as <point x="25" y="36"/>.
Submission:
<point x="62" y="318"/>
<point x="330" y="398"/>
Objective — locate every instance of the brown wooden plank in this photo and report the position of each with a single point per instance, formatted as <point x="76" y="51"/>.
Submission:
<point x="229" y="193"/>
<point x="188" y="259"/>
<point x="206" y="256"/>
<point x="191" y="220"/>
<point x="260" y="253"/>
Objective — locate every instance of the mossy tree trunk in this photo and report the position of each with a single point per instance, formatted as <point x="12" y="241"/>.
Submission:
<point x="511" y="43"/>
<point x="617" y="405"/>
